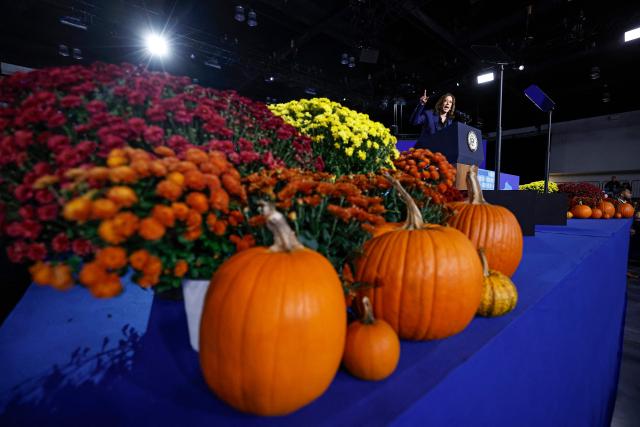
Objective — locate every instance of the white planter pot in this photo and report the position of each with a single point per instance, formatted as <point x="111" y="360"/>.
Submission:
<point x="194" y="292"/>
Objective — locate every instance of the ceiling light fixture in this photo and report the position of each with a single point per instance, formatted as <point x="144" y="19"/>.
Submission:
<point x="485" y="78"/>
<point x="632" y="34"/>
<point x="239" y="14"/>
<point x="252" y="19"/>
<point x="156" y="45"/>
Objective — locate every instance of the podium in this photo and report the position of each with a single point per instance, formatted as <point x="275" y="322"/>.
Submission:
<point x="461" y="144"/>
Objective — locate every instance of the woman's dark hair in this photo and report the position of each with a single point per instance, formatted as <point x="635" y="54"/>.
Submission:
<point x="440" y="103"/>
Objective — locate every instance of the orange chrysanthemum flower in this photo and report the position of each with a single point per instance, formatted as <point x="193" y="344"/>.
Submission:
<point x="109" y="287"/>
<point x="153" y="266"/>
<point x="92" y="273"/>
<point x="157" y="168"/>
<point x="103" y="209"/>
<point x="180" y="210"/>
<point x="219" y="200"/>
<point x="109" y="233"/>
<point x="116" y="161"/>
<point x="181" y="268"/>
<point x="141" y="167"/>
<point x="112" y="257"/>
<point x="193" y="233"/>
<point x="123" y="174"/>
<point x="41" y="273"/>
<point x="169" y="190"/>
<point x="98" y="173"/>
<point x="185" y="167"/>
<point x="164" y="215"/>
<point x="122" y="196"/>
<point x="198" y="201"/>
<point x="195" y="180"/>
<point x="196" y="156"/>
<point x="61" y="278"/>
<point x="163" y="151"/>
<point x="139" y="259"/>
<point x="78" y="209"/>
<point x="151" y="229"/>
<point x="126" y="223"/>
<point x="176" y="177"/>
<point x="148" y="280"/>
<point x="211" y="220"/>
<point x="219" y="228"/>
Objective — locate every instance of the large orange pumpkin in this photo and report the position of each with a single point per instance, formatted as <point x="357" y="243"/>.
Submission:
<point x="582" y="211"/>
<point x="372" y="349"/>
<point x="607" y="208"/>
<point x="273" y="326"/>
<point x="491" y="227"/>
<point x="626" y="210"/>
<point x="425" y="280"/>
<point x="596" y="213"/>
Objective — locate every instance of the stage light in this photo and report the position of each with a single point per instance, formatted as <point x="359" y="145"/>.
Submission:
<point x="74" y="21"/>
<point x="77" y="53"/>
<point x="352" y="62"/>
<point x="520" y="67"/>
<point x="344" y="60"/>
<point x="632" y="34"/>
<point x="457" y="84"/>
<point x="213" y="63"/>
<point x="485" y="78"/>
<point x="239" y="15"/>
<point x="595" y="73"/>
<point x="252" y="19"/>
<point x="311" y="91"/>
<point x="269" y="79"/>
<point x="63" y="50"/>
<point x="157" y="45"/>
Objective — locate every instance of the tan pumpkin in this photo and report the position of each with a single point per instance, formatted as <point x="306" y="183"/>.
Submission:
<point x="626" y="210"/>
<point x="372" y="349"/>
<point x="425" y="280"/>
<point x="581" y="211"/>
<point x="607" y="208"/>
<point x="491" y="227"/>
<point x="569" y="215"/>
<point x="273" y="326"/>
<point x="500" y="295"/>
<point x="596" y="213"/>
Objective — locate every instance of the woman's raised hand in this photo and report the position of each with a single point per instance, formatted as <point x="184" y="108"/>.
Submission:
<point x="424" y="98"/>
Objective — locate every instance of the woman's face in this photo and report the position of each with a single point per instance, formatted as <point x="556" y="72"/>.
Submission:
<point x="447" y="104"/>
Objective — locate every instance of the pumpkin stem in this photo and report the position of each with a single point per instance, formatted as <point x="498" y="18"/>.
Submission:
<point x="284" y="238"/>
<point x="414" y="216"/>
<point x="367" y="318"/>
<point x="485" y="263"/>
<point x="473" y="186"/>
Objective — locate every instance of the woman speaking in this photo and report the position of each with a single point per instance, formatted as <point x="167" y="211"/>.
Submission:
<point x="434" y="120"/>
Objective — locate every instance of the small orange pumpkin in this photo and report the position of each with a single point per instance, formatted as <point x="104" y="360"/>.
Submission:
<point x="569" y="215"/>
<point x="596" y="213"/>
<point x="273" y="325"/>
<point x="581" y="211"/>
<point x="618" y="215"/>
<point x="500" y="295"/>
<point x="491" y="227"/>
<point x="426" y="280"/>
<point x="372" y="349"/>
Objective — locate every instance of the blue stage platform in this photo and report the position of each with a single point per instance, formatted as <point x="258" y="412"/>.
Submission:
<point x="552" y="362"/>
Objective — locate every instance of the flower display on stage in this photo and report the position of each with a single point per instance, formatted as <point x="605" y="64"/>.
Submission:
<point x="349" y="142"/>
<point x="166" y="218"/>
<point x="538" y="186"/>
<point x="581" y="193"/>
<point x="58" y="119"/>
<point x="432" y="168"/>
<point x="335" y="216"/>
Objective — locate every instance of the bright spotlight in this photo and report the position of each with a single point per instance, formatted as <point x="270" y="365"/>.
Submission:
<point x="484" y="78"/>
<point x="157" y="45"/>
<point x="520" y="67"/>
<point x="632" y="34"/>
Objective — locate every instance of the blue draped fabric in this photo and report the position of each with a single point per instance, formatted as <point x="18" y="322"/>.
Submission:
<point x="553" y="361"/>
